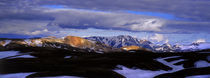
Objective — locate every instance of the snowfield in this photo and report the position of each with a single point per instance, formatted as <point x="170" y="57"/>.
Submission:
<point x="196" y="47"/>
<point x="6" y="54"/>
<point x="23" y="75"/>
<point x="139" y="73"/>
<point x="127" y="72"/>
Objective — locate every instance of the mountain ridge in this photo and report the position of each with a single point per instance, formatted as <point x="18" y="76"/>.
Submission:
<point x="126" y="40"/>
<point x="100" y="44"/>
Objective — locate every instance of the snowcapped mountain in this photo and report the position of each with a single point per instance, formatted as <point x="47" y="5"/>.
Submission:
<point x="122" y="41"/>
<point x="163" y="48"/>
<point x="100" y="44"/>
<point x="116" y="41"/>
<point x="126" y="40"/>
<point x="195" y="46"/>
<point x="69" y="43"/>
<point x="181" y="48"/>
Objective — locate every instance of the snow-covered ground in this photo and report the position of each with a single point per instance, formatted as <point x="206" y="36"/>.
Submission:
<point x="62" y="77"/>
<point x="201" y="63"/>
<point x="68" y="57"/>
<point x="23" y="75"/>
<point x="15" y="75"/>
<point x="127" y="72"/>
<point x="170" y="64"/>
<point x="139" y="73"/>
<point x="200" y="46"/>
<point x="5" y="54"/>
<point x="24" y="56"/>
<point x="28" y="41"/>
<point x="199" y="76"/>
<point x="7" y="42"/>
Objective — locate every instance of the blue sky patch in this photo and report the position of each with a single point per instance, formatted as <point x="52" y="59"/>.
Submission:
<point x="156" y="14"/>
<point x="54" y="6"/>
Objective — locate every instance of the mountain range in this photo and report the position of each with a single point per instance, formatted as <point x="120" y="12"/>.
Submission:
<point x="126" y="40"/>
<point x="100" y="44"/>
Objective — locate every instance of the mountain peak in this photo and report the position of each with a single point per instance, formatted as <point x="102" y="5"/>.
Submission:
<point x="77" y="41"/>
<point x="116" y="41"/>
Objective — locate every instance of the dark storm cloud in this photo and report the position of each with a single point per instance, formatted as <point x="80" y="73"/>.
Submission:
<point x="191" y="9"/>
<point x="77" y="18"/>
<point x="187" y="27"/>
<point x="82" y="19"/>
<point x="105" y="14"/>
<point x="23" y="27"/>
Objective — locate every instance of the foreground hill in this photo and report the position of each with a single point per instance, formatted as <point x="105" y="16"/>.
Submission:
<point x="54" y="62"/>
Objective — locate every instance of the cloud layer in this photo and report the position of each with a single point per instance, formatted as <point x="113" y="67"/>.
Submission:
<point x="192" y="9"/>
<point x="83" y="19"/>
<point x="47" y="17"/>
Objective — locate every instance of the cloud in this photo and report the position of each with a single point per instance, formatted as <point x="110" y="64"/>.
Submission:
<point x="148" y="24"/>
<point x="82" y="19"/>
<point x="159" y="16"/>
<point x="37" y="32"/>
<point x="62" y="18"/>
<point x="189" y="9"/>
<point x="200" y="41"/>
<point x="186" y="27"/>
<point x="23" y="27"/>
<point x="157" y="37"/>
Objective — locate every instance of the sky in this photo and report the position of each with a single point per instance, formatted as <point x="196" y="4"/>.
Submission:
<point x="173" y="20"/>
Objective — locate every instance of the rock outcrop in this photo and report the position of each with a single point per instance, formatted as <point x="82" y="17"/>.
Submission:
<point x="128" y="48"/>
<point x="90" y="45"/>
<point x="2" y="43"/>
<point x="78" y="42"/>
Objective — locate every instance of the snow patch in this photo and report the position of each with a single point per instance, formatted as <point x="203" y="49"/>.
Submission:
<point x="61" y="77"/>
<point x="201" y="63"/>
<point x="199" y="76"/>
<point x="139" y="73"/>
<point x="23" y="75"/>
<point x="170" y="64"/>
<point x="16" y="75"/>
<point x="6" y="42"/>
<point x="204" y="46"/>
<point x="200" y="41"/>
<point x="170" y="57"/>
<point x="28" y="41"/>
<point x="38" y="43"/>
<point x="196" y="47"/>
<point x="24" y="56"/>
<point x="4" y="54"/>
<point x="68" y="57"/>
<point x="183" y="47"/>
